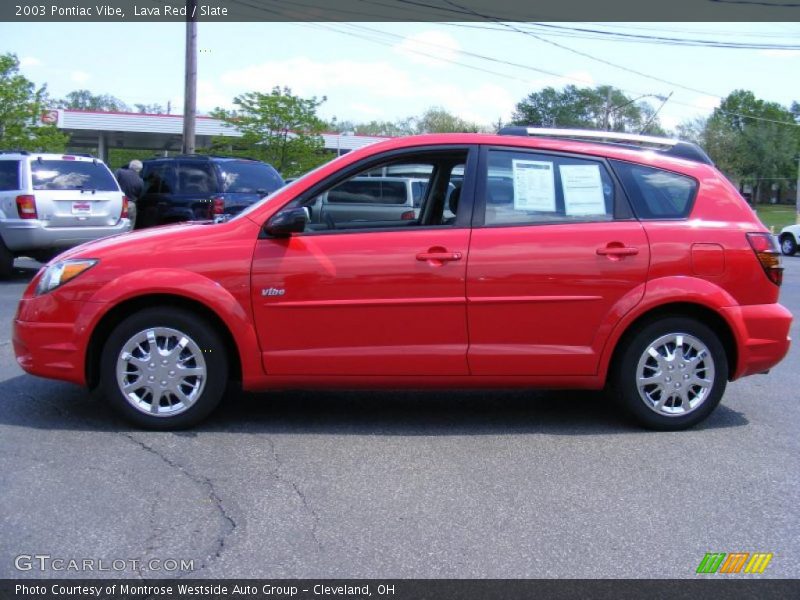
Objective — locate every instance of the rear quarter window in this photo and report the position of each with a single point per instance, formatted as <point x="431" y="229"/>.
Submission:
<point x="72" y="175"/>
<point x="9" y="175"/>
<point x="656" y="193"/>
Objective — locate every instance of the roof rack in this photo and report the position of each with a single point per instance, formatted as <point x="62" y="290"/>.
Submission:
<point x="209" y="156"/>
<point x="14" y="152"/>
<point x="668" y="146"/>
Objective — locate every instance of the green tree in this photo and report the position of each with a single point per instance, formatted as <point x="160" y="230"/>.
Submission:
<point x="279" y="128"/>
<point x="85" y="100"/>
<point x="152" y="109"/>
<point x="21" y="106"/>
<point x="754" y="142"/>
<point x="600" y="107"/>
<point x="437" y="120"/>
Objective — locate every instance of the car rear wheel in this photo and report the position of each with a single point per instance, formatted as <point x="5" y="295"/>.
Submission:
<point x="164" y="369"/>
<point x="788" y="245"/>
<point x="671" y="375"/>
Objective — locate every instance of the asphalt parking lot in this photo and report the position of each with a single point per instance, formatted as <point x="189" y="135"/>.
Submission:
<point x="396" y="485"/>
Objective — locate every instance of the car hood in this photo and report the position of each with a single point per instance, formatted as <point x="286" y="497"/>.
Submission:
<point x="136" y="239"/>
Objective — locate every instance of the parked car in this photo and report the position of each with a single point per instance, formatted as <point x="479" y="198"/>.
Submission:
<point x="51" y="202"/>
<point x="198" y="187"/>
<point x="369" y="199"/>
<point x="789" y="239"/>
<point x="624" y="262"/>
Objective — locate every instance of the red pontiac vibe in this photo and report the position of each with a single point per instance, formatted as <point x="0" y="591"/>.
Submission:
<point x="528" y="259"/>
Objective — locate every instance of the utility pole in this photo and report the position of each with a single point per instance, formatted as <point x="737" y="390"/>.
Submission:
<point x="190" y="82"/>
<point x="607" y="123"/>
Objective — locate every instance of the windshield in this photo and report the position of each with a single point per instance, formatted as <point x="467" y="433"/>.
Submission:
<point x="72" y="175"/>
<point x="249" y="177"/>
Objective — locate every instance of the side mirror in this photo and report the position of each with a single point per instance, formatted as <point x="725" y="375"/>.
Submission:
<point x="287" y="222"/>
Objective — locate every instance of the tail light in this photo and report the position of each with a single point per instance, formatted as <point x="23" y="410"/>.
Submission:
<point x="26" y="207"/>
<point x="124" y="213"/>
<point x="408" y="216"/>
<point x="766" y="249"/>
<point x="217" y="206"/>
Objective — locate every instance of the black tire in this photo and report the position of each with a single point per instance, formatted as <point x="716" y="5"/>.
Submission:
<point x="6" y="261"/>
<point x="699" y="400"/>
<point x="788" y="244"/>
<point x="186" y="399"/>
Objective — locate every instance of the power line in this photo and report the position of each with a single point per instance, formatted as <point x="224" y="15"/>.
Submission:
<point x="489" y="58"/>
<point x="528" y="67"/>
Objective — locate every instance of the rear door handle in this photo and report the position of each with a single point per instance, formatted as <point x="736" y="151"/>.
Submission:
<point x="439" y="256"/>
<point x="618" y="251"/>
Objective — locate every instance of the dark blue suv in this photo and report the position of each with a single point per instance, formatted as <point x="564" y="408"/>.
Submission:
<point x="199" y="187"/>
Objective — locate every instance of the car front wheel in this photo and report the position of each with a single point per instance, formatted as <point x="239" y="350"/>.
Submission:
<point x="164" y="369"/>
<point x="788" y="245"/>
<point x="671" y="374"/>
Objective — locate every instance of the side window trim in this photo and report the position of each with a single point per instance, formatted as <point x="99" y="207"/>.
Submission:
<point x="622" y="205"/>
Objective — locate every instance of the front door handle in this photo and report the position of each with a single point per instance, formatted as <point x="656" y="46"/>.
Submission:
<point x="439" y="256"/>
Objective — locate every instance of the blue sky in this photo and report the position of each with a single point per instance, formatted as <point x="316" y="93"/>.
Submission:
<point x="411" y="66"/>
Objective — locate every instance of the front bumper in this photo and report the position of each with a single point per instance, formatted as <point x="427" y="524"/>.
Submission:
<point x="762" y="335"/>
<point x="49" y="339"/>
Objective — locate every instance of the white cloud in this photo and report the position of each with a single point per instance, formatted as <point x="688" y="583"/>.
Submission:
<point x="318" y="78"/>
<point x="706" y="102"/>
<point x="367" y="109"/>
<point x="780" y="53"/>
<point x="209" y="97"/>
<point x="363" y="90"/>
<point x="29" y="61"/>
<point x="577" y="78"/>
<point x="430" y="48"/>
<point x="80" y="76"/>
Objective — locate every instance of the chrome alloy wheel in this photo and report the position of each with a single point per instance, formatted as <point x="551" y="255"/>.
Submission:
<point x="675" y="374"/>
<point x="161" y="371"/>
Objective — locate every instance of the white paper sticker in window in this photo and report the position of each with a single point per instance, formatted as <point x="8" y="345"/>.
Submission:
<point x="583" y="190"/>
<point x="534" y="185"/>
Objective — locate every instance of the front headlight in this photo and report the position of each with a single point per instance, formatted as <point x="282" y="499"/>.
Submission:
<point x="61" y="272"/>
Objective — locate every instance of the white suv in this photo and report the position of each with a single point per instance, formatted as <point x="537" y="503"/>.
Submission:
<point x="51" y="202"/>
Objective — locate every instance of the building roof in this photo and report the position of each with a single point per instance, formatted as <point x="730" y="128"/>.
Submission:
<point x="162" y="132"/>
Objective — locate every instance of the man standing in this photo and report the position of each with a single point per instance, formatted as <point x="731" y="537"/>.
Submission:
<point x="132" y="186"/>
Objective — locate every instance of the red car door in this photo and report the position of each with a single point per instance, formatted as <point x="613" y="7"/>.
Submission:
<point x="365" y="301"/>
<point x="556" y="258"/>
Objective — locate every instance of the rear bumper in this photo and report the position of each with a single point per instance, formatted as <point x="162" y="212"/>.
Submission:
<point x="21" y="235"/>
<point x="762" y="335"/>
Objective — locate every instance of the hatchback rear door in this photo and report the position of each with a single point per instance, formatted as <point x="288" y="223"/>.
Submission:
<point x="75" y="192"/>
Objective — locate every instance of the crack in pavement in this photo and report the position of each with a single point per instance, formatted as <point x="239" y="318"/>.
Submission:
<point x="204" y="482"/>
<point x="300" y="494"/>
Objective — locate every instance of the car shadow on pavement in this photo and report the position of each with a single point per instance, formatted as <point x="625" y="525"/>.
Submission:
<point x="27" y="401"/>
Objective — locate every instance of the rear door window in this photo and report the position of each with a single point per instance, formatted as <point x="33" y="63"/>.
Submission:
<point x="9" y="175"/>
<point x="656" y="193"/>
<point x="527" y="188"/>
<point x="72" y="175"/>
